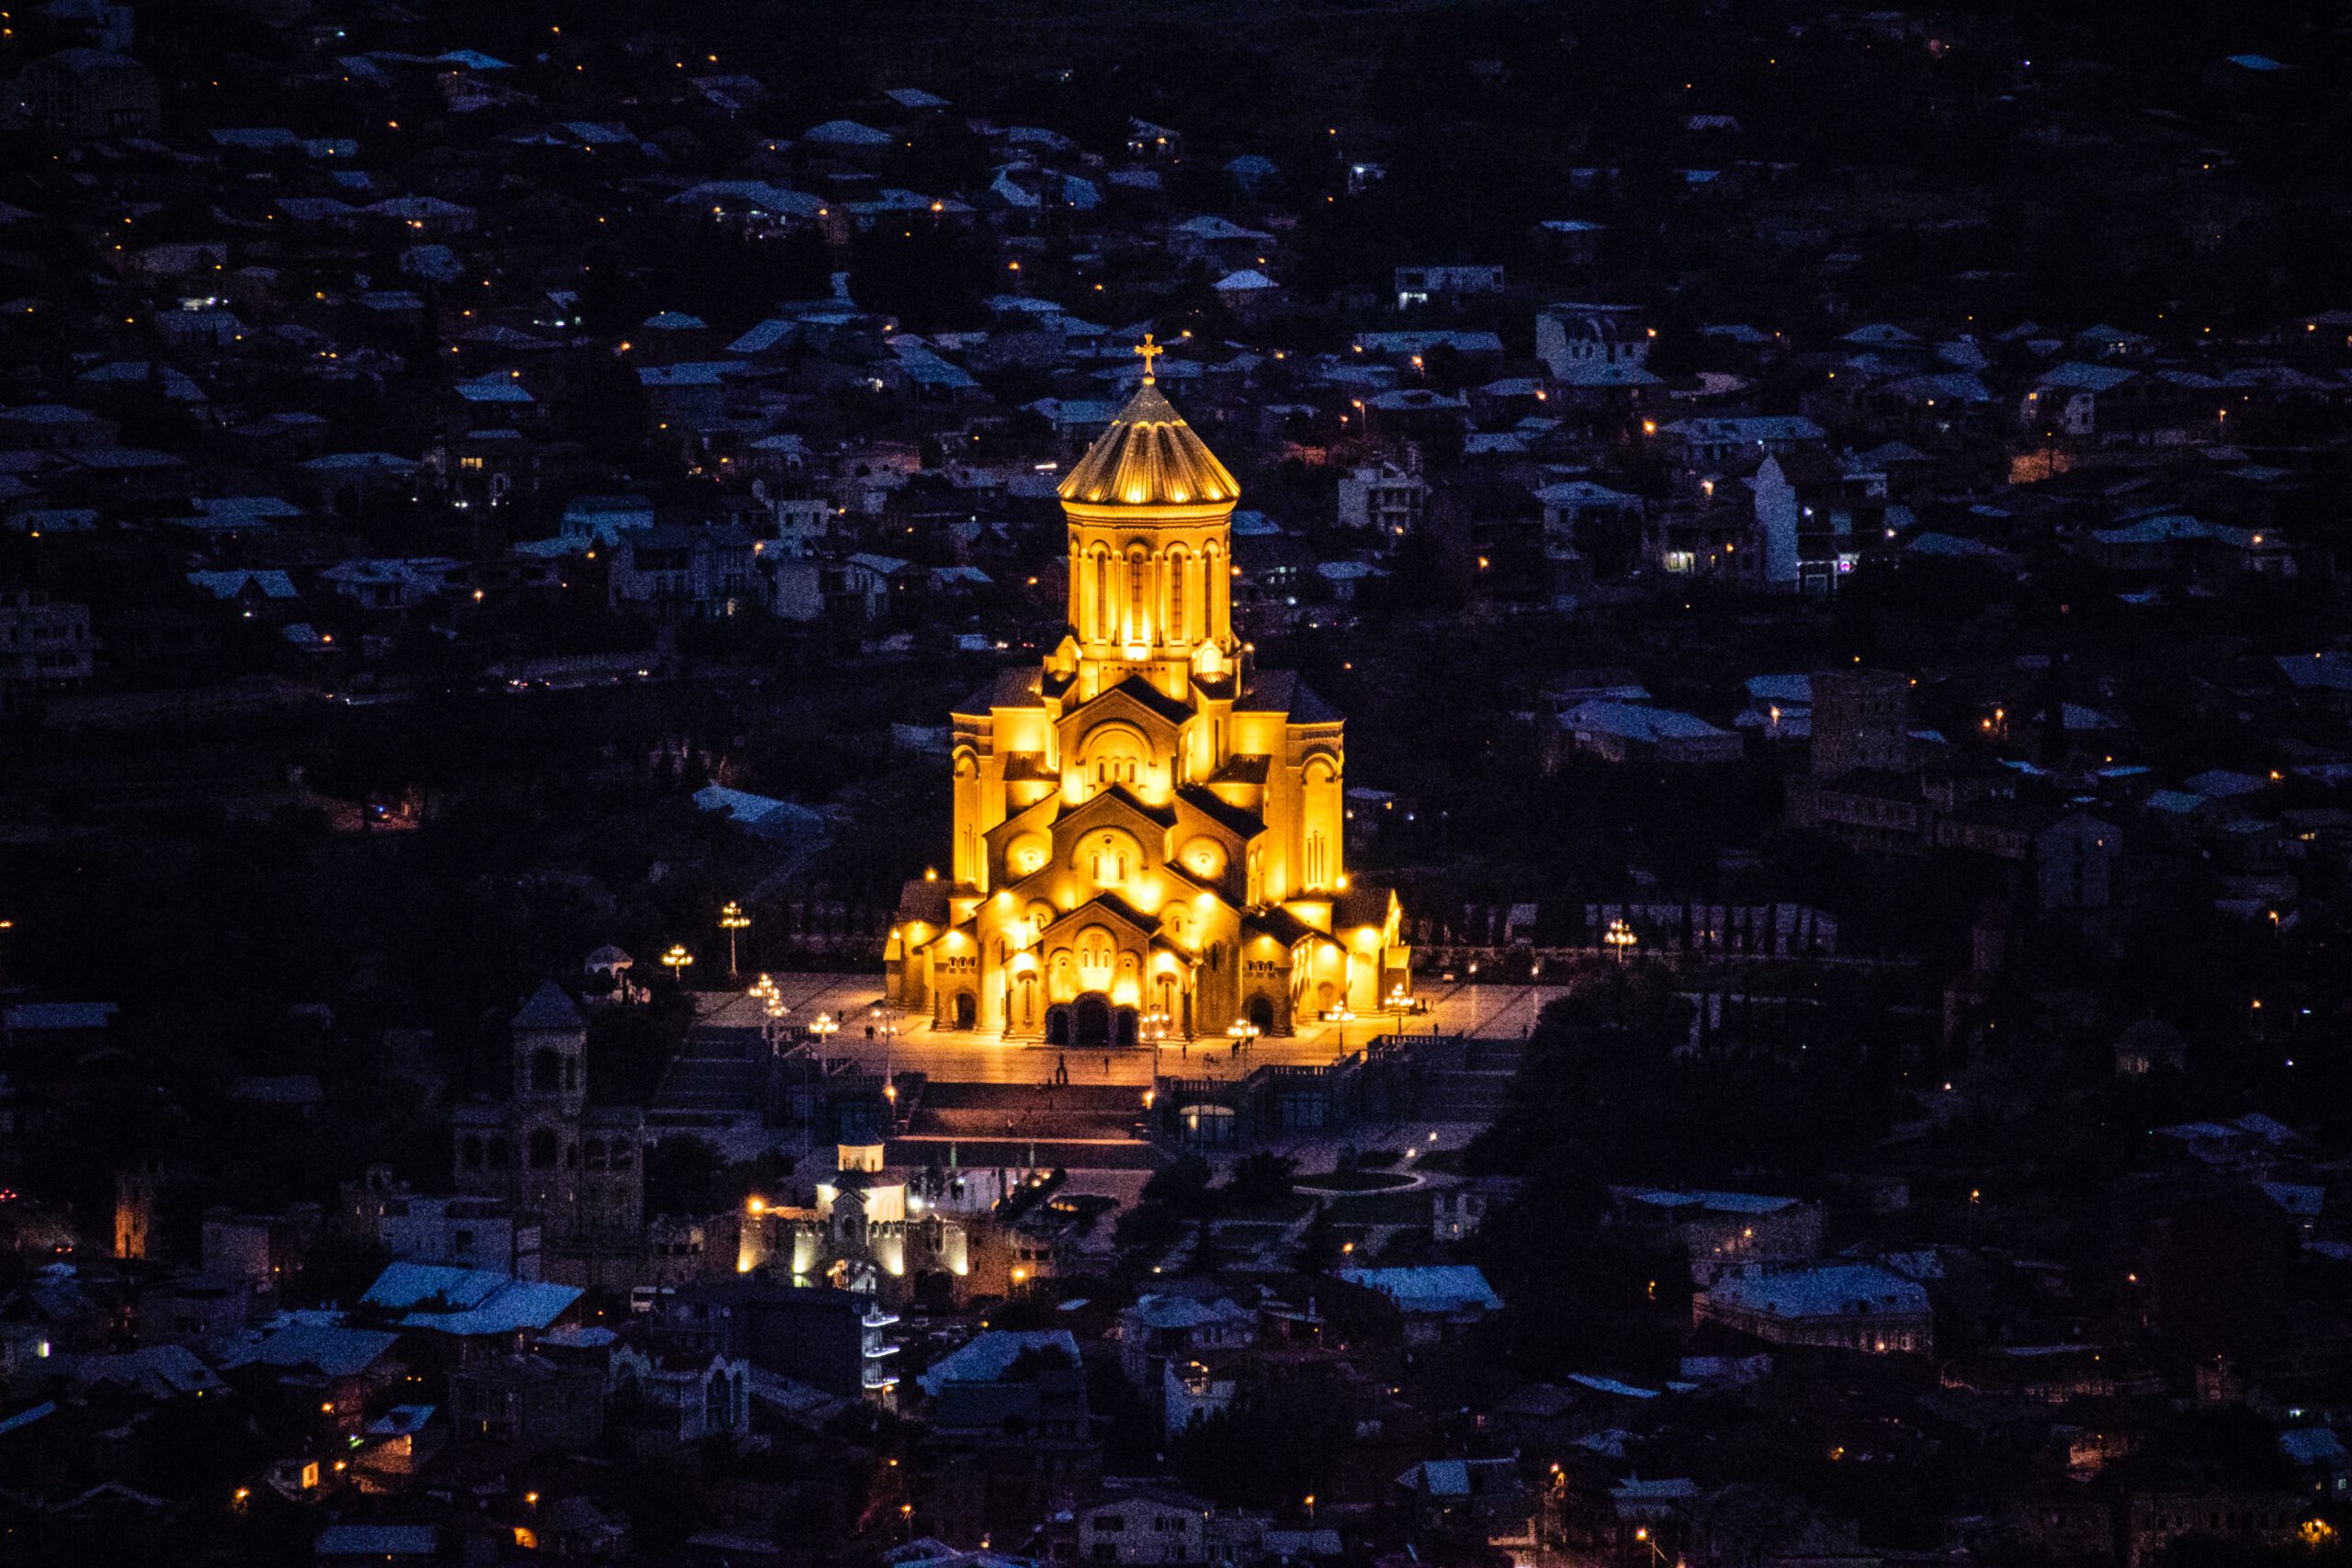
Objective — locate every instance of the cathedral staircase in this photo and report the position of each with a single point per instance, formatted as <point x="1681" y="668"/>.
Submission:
<point x="1467" y="1079"/>
<point x="1075" y="1126"/>
<point x="717" y="1079"/>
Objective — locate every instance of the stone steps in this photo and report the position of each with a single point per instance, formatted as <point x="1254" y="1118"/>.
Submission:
<point x="1124" y="1099"/>
<point x="1011" y="1122"/>
<point x="720" y="1070"/>
<point x="991" y="1154"/>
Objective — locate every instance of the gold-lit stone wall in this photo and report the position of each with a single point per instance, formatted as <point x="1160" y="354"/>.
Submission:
<point x="1147" y="829"/>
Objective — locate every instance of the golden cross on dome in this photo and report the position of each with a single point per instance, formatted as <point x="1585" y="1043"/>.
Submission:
<point x="1151" y="351"/>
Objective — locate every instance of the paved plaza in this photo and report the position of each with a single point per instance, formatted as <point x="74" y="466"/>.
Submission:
<point x="854" y="1002"/>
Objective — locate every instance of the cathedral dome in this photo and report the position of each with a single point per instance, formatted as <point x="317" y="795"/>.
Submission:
<point x="1149" y="456"/>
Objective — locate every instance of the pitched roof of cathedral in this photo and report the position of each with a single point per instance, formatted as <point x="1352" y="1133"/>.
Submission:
<point x="1015" y="687"/>
<point x="1152" y="698"/>
<point x="1244" y="825"/>
<point x="924" y="898"/>
<point x="1110" y="904"/>
<point x="1149" y="456"/>
<point x="1361" y="904"/>
<point x="1281" y="690"/>
<point x="549" y="1009"/>
<point x="1280" y="924"/>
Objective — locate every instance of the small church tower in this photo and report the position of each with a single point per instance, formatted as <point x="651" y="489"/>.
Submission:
<point x="574" y="1168"/>
<point x="550" y="1052"/>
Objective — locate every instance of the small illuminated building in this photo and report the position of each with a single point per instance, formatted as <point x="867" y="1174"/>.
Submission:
<point x="865" y="1232"/>
<point x="1146" y="823"/>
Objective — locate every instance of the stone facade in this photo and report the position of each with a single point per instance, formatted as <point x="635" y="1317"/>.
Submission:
<point x="576" y="1170"/>
<point x="1147" y="828"/>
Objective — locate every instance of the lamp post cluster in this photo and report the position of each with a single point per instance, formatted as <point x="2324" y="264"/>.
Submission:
<point x="1620" y="936"/>
<point x="773" y="1011"/>
<point x="733" y="920"/>
<point x="884" y="1026"/>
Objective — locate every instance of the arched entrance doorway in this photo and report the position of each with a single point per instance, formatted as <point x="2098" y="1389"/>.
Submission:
<point x="967" y="1009"/>
<point x="1124" y="1026"/>
<point x="1090" y="1022"/>
<point x="1057" y="1027"/>
<point x="1260" y="1012"/>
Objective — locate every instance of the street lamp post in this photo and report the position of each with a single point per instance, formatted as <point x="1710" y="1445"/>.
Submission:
<point x="677" y="961"/>
<point x="822" y="1028"/>
<point x="886" y="1027"/>
<point x="772" y="1005"/>
<point x="1399" y="1003"/>
<point x="731" y="919"/>
<point x="1620" y="936"/>
<point x="1155" y="1028"/>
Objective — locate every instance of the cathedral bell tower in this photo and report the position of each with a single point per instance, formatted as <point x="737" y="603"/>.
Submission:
<point x="1150" y="513"/>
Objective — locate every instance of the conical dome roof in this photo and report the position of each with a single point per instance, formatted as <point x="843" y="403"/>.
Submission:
<point x="1149" y="456"/>
<point x="548" y="1008"/>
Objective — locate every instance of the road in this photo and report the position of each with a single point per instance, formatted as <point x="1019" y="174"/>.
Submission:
<point x="1490" y="1011"/>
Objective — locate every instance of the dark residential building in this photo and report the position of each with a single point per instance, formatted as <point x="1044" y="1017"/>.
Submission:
<point x="89" y="94"/>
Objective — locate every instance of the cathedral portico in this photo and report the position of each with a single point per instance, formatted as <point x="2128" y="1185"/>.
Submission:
<point x="1146" y="825"/>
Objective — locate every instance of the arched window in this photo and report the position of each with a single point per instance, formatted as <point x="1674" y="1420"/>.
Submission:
<point x="716" y="1403"/>
<point x="1178" y="631"/>
<point x="546" y="1070"/>
<point x="1110" y="860"/>
<point x="1101" y="627"/>
<point x="543" y="1150"/>
<point x="1136" y="618"/>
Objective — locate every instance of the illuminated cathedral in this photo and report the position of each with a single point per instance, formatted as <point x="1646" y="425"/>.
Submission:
<point x="1147" y="828"/>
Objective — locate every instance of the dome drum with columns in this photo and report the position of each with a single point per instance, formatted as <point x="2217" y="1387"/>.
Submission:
<point x="1147" y="824"/>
